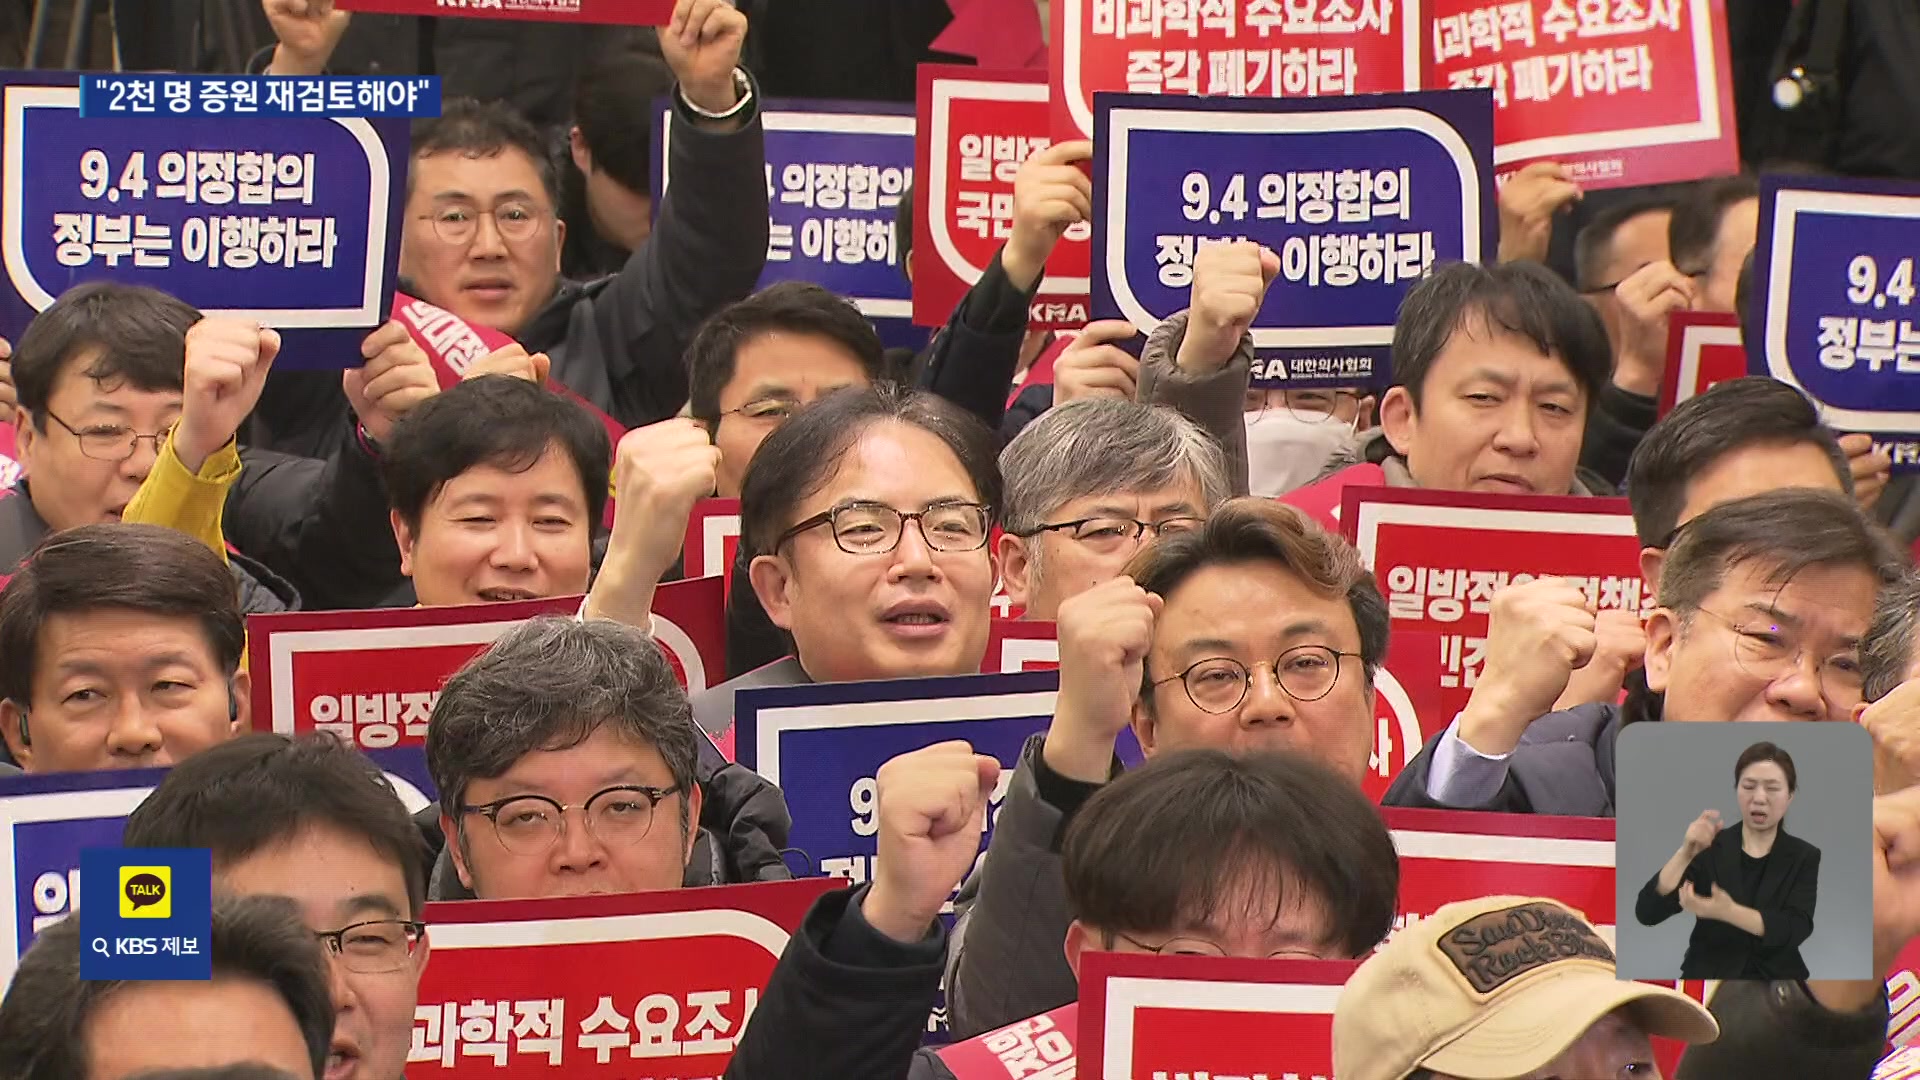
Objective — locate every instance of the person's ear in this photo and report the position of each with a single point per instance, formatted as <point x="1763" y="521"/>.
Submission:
<point x="577" y="147"/>
<point x="1398" y="419"/>
<point x="772" y="582"/>
<point x="1015" y="569"/>
<point x="240" y="702"/>
<point x="1663" y="634"/>
<point x="559" y="242"/>
<point x="25" y="436"/>
<point x="1079" y="940"/>
<point x="19" y="739"/>
<point x="1652" y="560"/>
<point x="1145" y="728"/>
<point x="456" y="850"/>
<point x="695" y="799"/>
<point x="403" y="539"/>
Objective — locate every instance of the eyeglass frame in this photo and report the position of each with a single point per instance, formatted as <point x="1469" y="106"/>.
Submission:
<point x="540" y="216"/>
<point x="793" y="405"/>
<point x="158" y="438"/>
<point x="1740" y="631"/>
<point x="825" y="517"/>
<point x="334" y="944"/>
<point x="1139" y="527"/>
<point x="1161" y="949"/>
<point x="1246" y="679"/>
<point x="1302" y="412"/>
<point x="491" y="811"/>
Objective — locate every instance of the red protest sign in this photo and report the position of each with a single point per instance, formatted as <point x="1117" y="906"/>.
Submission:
<point x="1302" y="48"/>
<point x="1018" y="645"/>
<point x="1165" y="1016"/>
<point x="713" y="539"/>
<point x="1703" y="348"/>
<point x="1621" y="94"/>
<point x="1037" y="1048"/>
<point x="977" y="127"/>
<point x="1903" y="997"/>
<point x="603" y="12"/>
<point x="597" y="987"/>
<point x="690" y="625"/>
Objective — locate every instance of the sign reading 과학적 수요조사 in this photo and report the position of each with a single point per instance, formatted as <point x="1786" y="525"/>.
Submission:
<point x="291" y="221"/>
<point x="1834" y="309"/>
<point x="1359" y="198"/>
<point x="165" y="96"/>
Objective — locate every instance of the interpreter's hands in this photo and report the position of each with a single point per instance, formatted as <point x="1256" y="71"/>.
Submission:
<point x="1871" y="469"/>
<point x="1528" y="204"/>
<point x="1538" y="633"/>
<point x="1647" y="297"/>
<point x="1896" y="876"/>
<point x="228" y="359"/>
<point x="9" y="400"/>
<point x="1104" y="633"/>
<point x="396" y="378"/>
<point x="1093" y="366"/>
<point x="1894" y="723"/>
<point x="511" y="359"/>
<point x="1229" y="283"/>
<point x="932" y="811"/>
<point x="1050" y="195"/>
<point x="309" y="31"/>
<point x="1702" y="830"/>
<point x="1715" y="905"/>
<point x="1620" y="646"/>
<point x="702" y="45"/>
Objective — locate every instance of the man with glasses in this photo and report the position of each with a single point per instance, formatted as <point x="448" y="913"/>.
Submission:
<point x="1763" y="606"/>
<point x="1293" y="434"/>
<point x="1257" y="631"/>
<point x="314" y="821"/>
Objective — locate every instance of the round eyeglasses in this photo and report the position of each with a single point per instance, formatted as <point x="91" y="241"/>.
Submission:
<point x="1219" y="684"/>
<point x="616" y="816"/>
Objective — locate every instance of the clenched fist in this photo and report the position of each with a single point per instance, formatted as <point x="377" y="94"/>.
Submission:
<point x="702" y="46"/>
<point x="1620" y="646"/>
<point x="932" y="810"/>
<point x="228" y="359"/>
<point x="1538" y="633"/>
<point x="1870" y="468"/>
<point x="396" y="378"/>
<point x="659" y="472"/>
<point x="1105" y="633"/>
<point x="1701" y="832"/>
<point x="1092" y="366"/>
<point x="1647" y="297"/>
<point x="1229" y="283"/>
<point x="1050" y="196"/>
<point x="308" y="31"/>
<point x="1894" y="723"/>
<point x="1528" y="204"/>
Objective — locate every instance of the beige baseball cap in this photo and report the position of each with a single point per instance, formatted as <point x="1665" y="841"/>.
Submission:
<point x="1492" y="989"/>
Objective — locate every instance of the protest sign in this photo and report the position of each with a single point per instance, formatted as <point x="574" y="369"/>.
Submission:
<point x="1833" y="294"/>
<point x="1304" y="48"/>
<point x="293" y="221"/>
<point x="372" y="677"/>
<point x="606" y="12"/>
<point x="597" y="987"/>
<point x="1019" y="645"/>
<point x="977" y="127"/>
<point x="836" y="172"/>
<point x="1148" y="1017"/>
<point x="1903" y="997"/>
<point x="45" y="822"/>
<point x="1703" y="348"/>
<point x="1440" y="557"/>
<point x="1358" y="197"/>
<point x="1037" y="1048"/>
<point x="713" y="540"/>
<point x="1621" y="95"/>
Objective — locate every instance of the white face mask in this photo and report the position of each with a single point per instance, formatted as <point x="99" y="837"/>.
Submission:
<point x="1285" y="452"/>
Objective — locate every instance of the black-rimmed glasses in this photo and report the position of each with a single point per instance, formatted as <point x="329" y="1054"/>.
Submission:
<point x="1107" y="534"/>
<point x="870" y="528"/>
<point x="1219" y="684"/>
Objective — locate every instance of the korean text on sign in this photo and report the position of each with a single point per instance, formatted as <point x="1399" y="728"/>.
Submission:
<point x="259" y="95"/>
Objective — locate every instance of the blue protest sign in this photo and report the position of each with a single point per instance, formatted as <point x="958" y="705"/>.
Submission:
<point x="836" y="172"/>
<point x="1358" y="196"/>
<point x="47" y="821"/>
<point x="148" y="913"/>
<point x="1833" y="305"/>
<point x="294" y="221"/>
<point x="161" y="96"/>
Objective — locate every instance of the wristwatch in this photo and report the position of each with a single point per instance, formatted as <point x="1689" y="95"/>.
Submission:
<point x="741" y="84"/>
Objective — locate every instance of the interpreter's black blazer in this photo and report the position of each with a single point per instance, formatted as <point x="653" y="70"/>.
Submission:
<point x="1785" y="900"/>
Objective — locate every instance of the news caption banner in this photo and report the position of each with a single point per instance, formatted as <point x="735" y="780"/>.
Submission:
<point x="1703" y="348"/>
<point x="602" y="12"/>
<point x="836" y="172"/>
<point x="1834" y="303"/>
<point x="598" y="987"/>
<point x="47" y="821"/>
<point x="1620" y="94"/>
<point x="979" y="127"/>
<point x="1440" y="558"/>
<point x="1220" y="48"/>
<point x="1359" y="198"/>
<point x="276" y="199"/>
<point x="372" y="677"/>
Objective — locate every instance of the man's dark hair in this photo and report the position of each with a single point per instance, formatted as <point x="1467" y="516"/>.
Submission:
<point x="1766" y="751"/>
<point x="1750" y="411"/>
<point x="903" y="228"/>
<point x="1693" y="233"/>
<point x="1252" y="530"/>
<point x="43" y="1018"/>
<point x="138" y="337"/>
<point x="124" y="567"/>
<point x="499" y="420"/>
<point x="549" y="684"/>
<point x="1743" y="295"/>
<point x="613" y="108"/>
<point x="1523" y="299"/>
<point x="1169" y="845"/>
<point x="802" y="455"/>
<point x="1782" y="532"/>
<point x="262" y="790"/>
<point x="486" y="129"/>
<point x="790" y="307"/>
<point x="1887" y="652"/>
<point x="1593" y="247"/>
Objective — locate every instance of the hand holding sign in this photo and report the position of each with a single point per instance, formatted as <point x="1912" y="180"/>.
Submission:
<point x="1050" y="195"/>
<point x="1092" y="366"/>
<point x="1105" y="633"/>
<point x="702" y="46"/>
<point x="1871" y="468"/>
<point x="309" y="31"/>
<point x="511" y="360"/>
<point x="228" y="359"/>
<point x="1528" y="205"/>
<point x="396" y="378"/>
<point x="659" y="472"/>
<point x="1647" y="296"/>
<point x="932" y="812"/>
<point x="1229" y="283"/>
<point x="1701" y="832"/>
<point x="1538" y="633"/>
